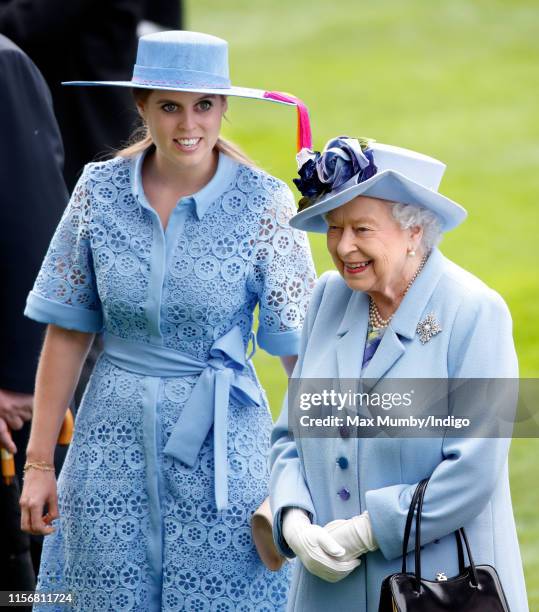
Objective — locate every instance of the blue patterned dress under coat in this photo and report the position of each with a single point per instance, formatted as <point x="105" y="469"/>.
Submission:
<point x="155" y="502"/>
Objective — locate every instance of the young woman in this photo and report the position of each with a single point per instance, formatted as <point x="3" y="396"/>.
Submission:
<point x="168" y="248"/>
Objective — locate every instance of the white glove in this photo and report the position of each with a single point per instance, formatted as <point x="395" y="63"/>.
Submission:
<point x="315" y="548"/>
<point x="355" y="535"/>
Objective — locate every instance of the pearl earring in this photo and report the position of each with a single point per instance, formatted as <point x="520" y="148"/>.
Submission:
<point x="411" y="253"/>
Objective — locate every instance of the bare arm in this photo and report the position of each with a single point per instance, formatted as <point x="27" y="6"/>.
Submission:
<point x="60" y="365"/>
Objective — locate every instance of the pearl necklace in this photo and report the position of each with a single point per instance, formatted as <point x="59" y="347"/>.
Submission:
<point x="375" y="319"/>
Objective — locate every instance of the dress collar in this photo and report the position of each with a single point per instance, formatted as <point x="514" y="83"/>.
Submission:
<point x="225" y="173"/>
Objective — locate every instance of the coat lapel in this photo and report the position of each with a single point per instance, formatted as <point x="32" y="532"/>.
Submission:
<point x="387" y="353"/>
<point x="351" y="336"/>
<point x="402" y="328"/>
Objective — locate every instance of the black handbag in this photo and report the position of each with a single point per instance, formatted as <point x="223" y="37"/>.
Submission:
<point x="477" y="588"/>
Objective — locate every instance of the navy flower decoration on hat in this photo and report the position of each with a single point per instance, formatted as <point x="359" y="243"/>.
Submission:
<point x="343" y="162"/>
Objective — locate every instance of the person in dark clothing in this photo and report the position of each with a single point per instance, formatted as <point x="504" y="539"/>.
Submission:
<point x="73" y="39"/>
<point x="165" y="14"/>
<point x="32" y="197"/>
<point x="16" y="570"/>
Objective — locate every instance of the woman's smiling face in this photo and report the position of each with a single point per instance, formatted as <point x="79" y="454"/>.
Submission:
<point x="369" y="247"/>
<point x="184" y="126"/>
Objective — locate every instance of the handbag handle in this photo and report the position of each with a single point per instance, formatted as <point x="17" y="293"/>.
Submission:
<point x="460" y="535"/>
<point x="409" y="519"/>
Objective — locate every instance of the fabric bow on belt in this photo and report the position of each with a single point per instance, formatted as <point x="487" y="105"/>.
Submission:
<point x="222" y="377"/>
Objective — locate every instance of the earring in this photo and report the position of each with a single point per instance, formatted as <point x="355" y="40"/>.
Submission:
<point x="411" y="253"/>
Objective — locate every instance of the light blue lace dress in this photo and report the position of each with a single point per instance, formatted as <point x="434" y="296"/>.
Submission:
<point x="139" y="526"/>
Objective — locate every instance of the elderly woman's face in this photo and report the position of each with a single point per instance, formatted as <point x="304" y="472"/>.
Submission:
<point x="369" y="247"/>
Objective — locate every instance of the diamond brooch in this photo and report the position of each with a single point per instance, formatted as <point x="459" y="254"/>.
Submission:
<point x="428" y="328"/>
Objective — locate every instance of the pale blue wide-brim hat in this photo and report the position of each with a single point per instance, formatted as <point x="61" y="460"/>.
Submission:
<point x="183" y="61"/>
<point x="397" y="175"/>
<point x="194" y="62"/>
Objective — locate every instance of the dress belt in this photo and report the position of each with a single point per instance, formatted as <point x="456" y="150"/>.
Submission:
<point x="222" y="376"/>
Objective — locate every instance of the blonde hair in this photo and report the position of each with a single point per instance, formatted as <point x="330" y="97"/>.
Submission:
<point x="141" y="139"/>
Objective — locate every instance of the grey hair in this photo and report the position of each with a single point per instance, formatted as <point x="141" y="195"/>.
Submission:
<point x="411" y="215"/>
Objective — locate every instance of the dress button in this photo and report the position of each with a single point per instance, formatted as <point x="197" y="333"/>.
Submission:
<point x="342" y="462"/>
<point x="344" y="494"/>
<point x="344" y="431"/>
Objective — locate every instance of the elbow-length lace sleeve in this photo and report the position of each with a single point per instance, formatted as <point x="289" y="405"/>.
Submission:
<point x="284" y="275"/>
<point x="65" y="291"/>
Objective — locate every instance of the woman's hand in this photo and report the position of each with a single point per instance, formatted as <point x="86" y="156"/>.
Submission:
<point x="39" y="490"/>
<point x="354" y="535"/>
<point x="320" y="554"/>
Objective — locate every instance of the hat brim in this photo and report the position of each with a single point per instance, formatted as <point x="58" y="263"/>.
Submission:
<point x="240" y="92"/>
<point x="387" y="185"/>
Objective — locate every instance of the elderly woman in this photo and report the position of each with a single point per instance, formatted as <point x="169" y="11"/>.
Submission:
<point x="395" y="308"/>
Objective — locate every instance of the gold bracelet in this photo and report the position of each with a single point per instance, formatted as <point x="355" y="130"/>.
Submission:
<point x="38" y="465"/>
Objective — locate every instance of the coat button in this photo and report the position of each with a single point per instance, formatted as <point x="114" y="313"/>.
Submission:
<point x="344" y="431"/>
<point x="344" y="494"/>
<point x="342" y="462"/>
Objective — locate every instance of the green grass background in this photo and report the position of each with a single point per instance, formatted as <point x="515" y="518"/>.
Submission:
<point x="458" y="80"/>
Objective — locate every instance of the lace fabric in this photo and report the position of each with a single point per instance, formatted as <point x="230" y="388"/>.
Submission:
<point x="139" y="530"/>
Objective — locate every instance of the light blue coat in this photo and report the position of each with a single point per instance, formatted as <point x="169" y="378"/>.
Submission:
<point x="469" y="483"/>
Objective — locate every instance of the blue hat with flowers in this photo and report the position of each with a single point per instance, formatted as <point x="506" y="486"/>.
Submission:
<point x="350" y="167"/>
<point x="191" y="61"/>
